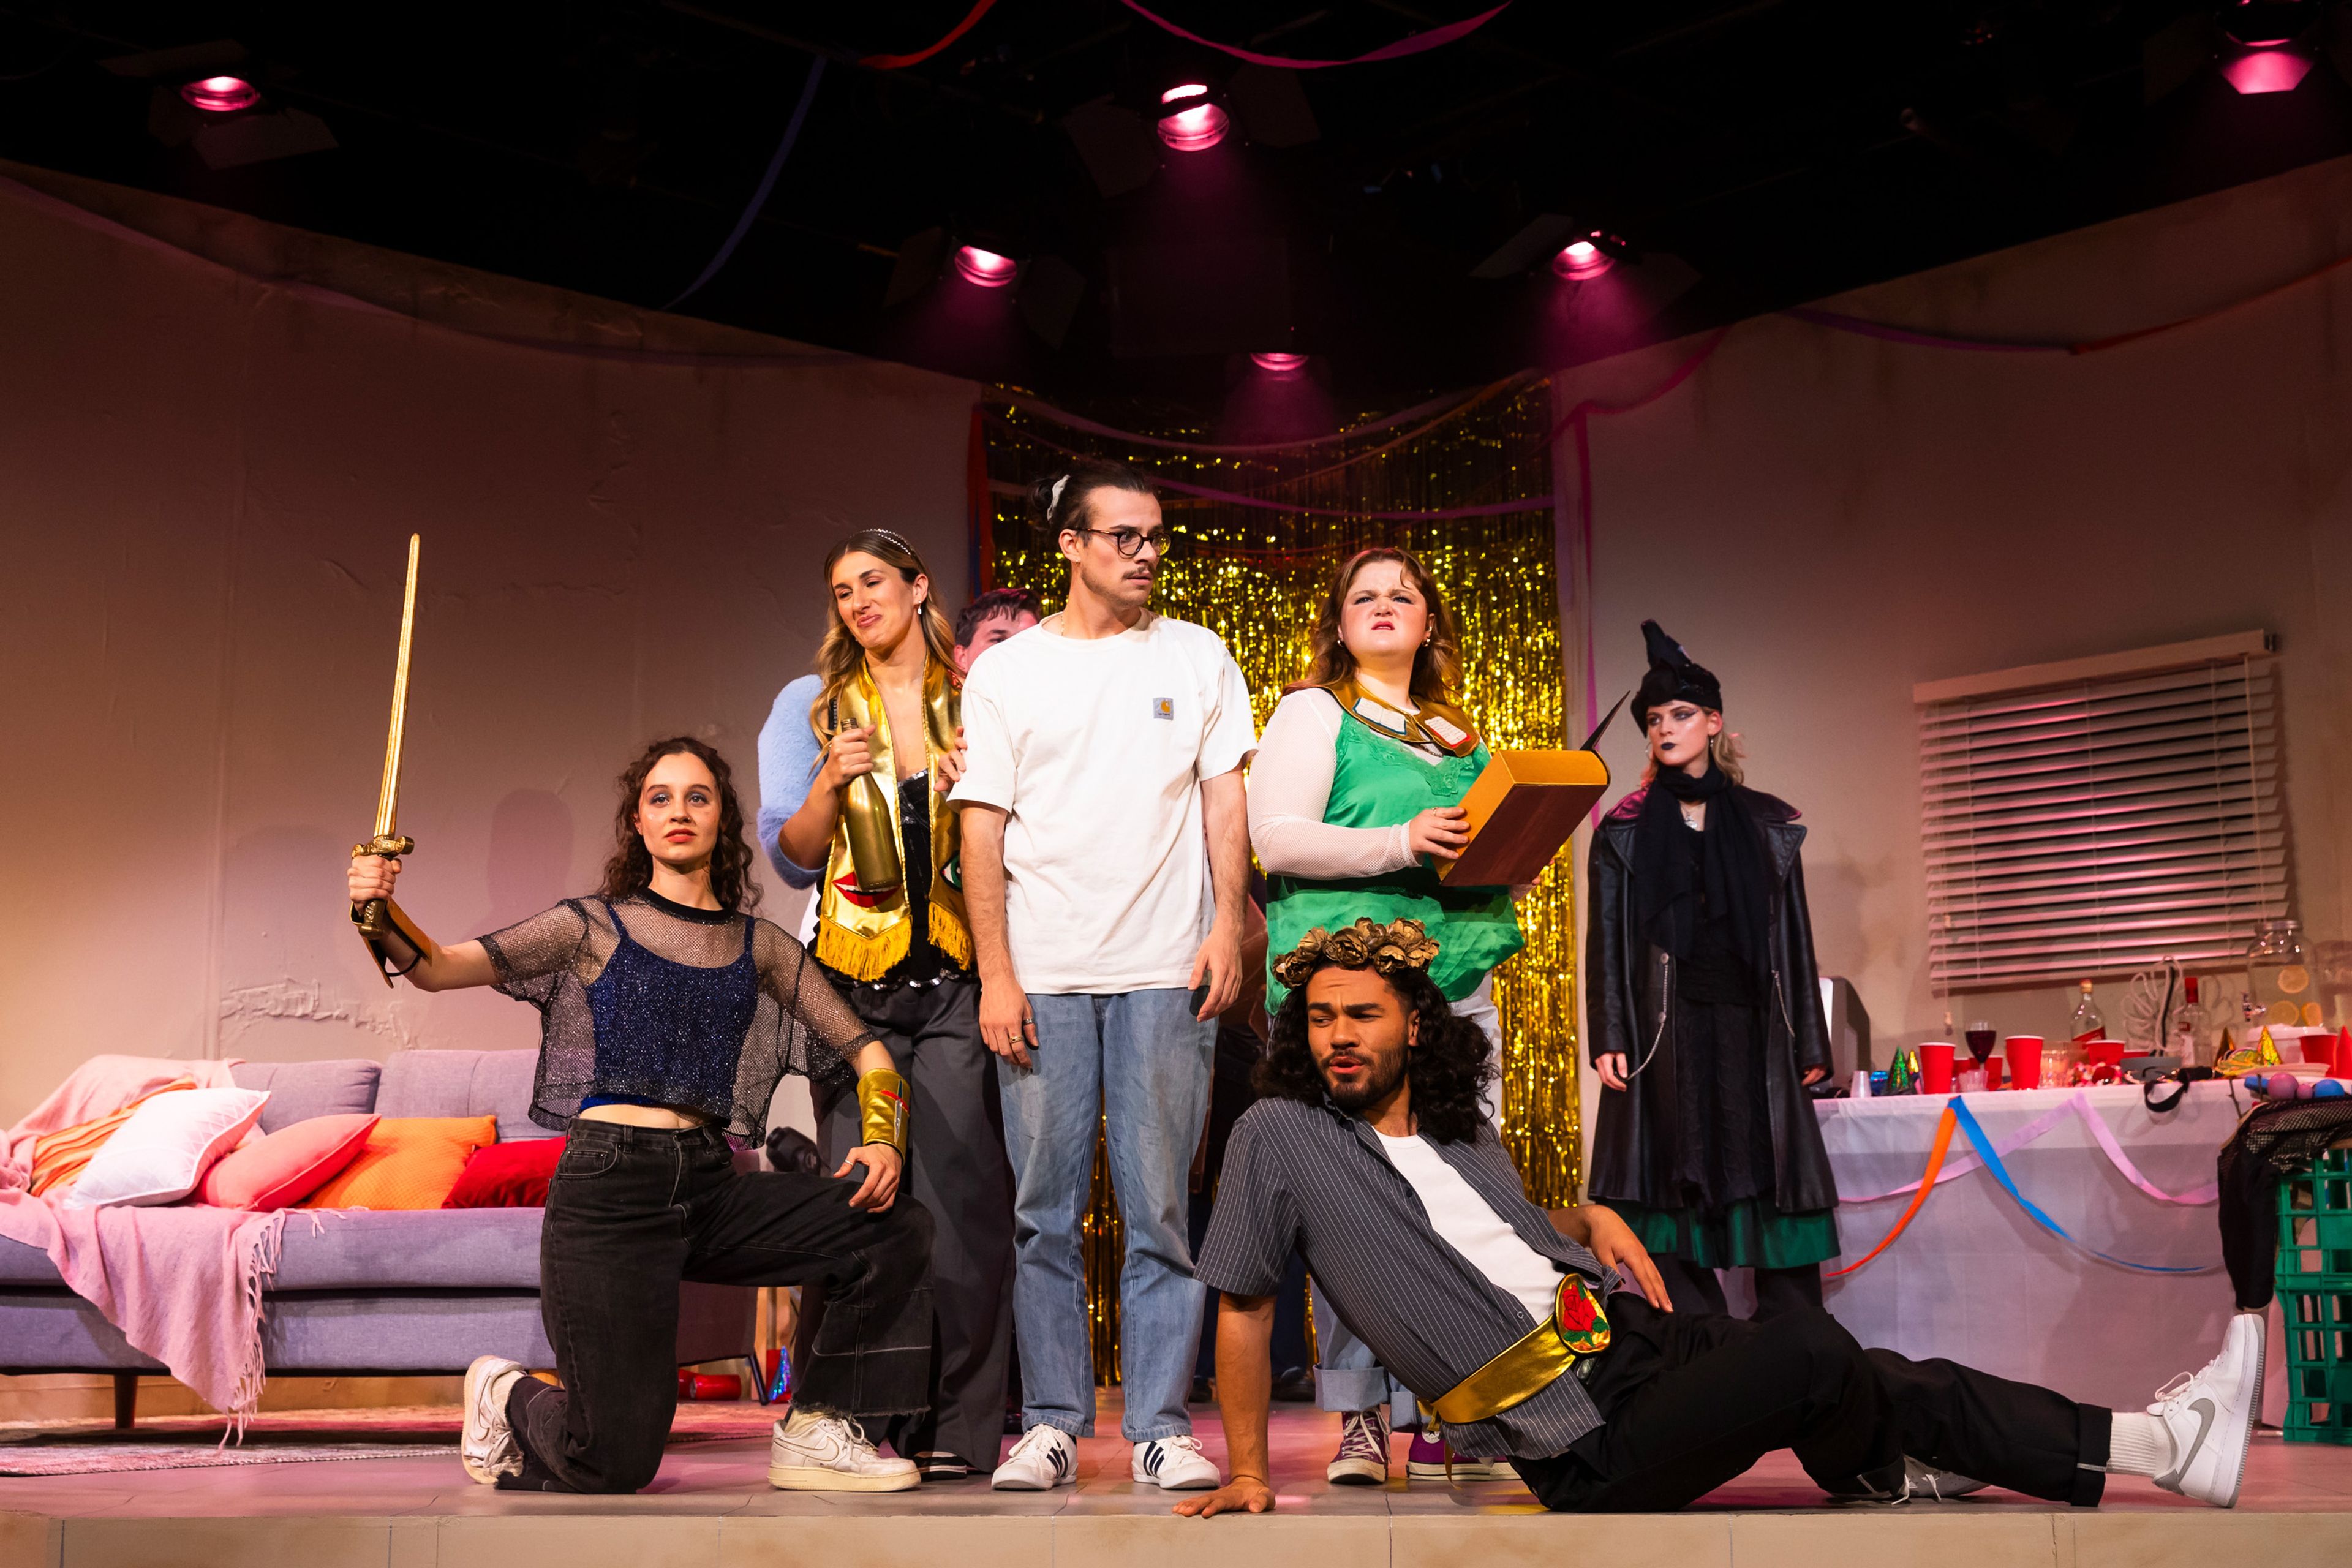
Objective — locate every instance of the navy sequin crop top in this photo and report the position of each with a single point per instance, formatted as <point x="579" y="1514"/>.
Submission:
<point x="651" y="1002"/>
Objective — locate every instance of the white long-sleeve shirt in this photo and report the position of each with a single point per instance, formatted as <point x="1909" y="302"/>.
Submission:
<point x="1290" y="789"/>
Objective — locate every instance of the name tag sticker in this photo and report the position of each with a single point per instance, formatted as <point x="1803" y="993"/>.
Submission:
<point x="1164" y="707"/>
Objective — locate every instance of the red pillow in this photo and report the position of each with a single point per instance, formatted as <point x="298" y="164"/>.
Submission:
<point x="507" y="1176"/>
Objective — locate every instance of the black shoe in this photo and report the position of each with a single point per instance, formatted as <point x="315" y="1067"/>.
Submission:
<point x="936" y="1466"/>
<point x="1296" y="1386"/>
<point x="1201" y="1394"/>
<point x="1012" y="1427"/>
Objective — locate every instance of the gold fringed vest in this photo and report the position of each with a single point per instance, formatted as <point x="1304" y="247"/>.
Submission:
<point x="862" y="928"/>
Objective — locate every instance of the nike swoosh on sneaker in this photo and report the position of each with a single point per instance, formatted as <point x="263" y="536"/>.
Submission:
<point x="2204" y="1408"/>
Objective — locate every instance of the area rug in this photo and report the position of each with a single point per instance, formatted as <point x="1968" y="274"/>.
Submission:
<point x="296" y="1437"/>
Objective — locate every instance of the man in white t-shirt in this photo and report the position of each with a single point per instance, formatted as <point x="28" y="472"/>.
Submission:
<point x="1370" y="1155"/>
<point x="1106" y="848"/>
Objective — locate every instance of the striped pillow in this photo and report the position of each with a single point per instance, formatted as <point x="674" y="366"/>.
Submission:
<point x="58" y="1157"/>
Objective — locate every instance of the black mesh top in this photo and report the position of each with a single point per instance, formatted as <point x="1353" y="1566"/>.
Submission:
<point x="652" y="1001"/>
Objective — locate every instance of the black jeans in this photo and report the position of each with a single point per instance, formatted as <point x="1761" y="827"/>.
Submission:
<point x="1689" y="1403"/>
<point x="634" y="1210"/>
<point x="957" y="1169"/>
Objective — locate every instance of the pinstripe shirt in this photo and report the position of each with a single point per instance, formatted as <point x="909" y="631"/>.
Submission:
<point x="1315" y="1178"/>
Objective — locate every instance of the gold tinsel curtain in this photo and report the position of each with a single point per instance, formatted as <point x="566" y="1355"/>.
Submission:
<point x="1256" y="577"/>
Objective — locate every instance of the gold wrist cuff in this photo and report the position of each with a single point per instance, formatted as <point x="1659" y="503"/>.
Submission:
<point x="882" y="1098"/>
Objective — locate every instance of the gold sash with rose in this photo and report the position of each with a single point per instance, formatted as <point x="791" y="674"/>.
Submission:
<point x="1575" y="1329"/>
<point x="1438" y="724"/>
<point x="862" y="926"/>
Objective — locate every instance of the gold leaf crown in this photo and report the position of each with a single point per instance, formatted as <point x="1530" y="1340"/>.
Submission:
<point x="1400" y="944"/>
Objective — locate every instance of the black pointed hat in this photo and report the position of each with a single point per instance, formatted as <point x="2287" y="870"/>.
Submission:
<point x="1674" y="677"/>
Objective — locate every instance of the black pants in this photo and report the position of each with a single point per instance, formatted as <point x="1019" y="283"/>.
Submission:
<point x="1693" y="1288"/>
<point x="1690" y="1402"/>
<point x="957" y="1169"/>
<point x="634" y="1210"/>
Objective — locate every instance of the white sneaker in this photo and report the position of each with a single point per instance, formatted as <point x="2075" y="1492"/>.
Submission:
<point x="2211" y="1416"/>
<point x="1045" y="1458"/>
<point x="488" y="1448"/>
<point x="1363" y="1458"/>
<point x="813" y="1453"/>
<point x="1176" y="1464"/>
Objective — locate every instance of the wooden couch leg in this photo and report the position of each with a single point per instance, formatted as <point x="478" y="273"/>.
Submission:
<point x="126" y="1400"/>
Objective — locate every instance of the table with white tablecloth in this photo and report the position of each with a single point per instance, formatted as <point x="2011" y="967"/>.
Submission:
<point x="1976" y="1279"/>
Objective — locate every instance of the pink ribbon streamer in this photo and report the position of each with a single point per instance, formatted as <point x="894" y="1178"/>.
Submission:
<point x="1436" y="37"/>
<point x="2078" y="1104"/>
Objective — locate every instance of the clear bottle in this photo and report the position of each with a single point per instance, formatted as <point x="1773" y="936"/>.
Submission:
<point x="2277" y="976"/>
<point x="2185" y="1038"/>
<point x="2088" y="1024"/>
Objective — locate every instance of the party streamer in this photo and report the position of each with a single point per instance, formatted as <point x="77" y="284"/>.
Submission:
<point x="1418" y="42"/>
<point x="899" y="62"/>
<point x="767" y="183"/>
<point x="2076" y="1104"/>
<point x="1958" y="1110"/>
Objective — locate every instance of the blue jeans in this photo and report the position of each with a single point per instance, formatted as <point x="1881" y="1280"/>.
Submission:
<point x="1137" y="1065"/>
<point x="1347" y="1375"/>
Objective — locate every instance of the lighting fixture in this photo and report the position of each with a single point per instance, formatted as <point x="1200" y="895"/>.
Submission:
<point x="2266" y="45"/>
<point x="1191" y="123"/>
<point x="1583" y="258"/>
<point x="221" y="94"/>
<point x="1279" y="365"/>
<point x="984" y="267"/>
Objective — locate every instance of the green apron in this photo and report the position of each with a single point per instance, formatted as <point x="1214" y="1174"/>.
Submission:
<point x="1380" y="782"/>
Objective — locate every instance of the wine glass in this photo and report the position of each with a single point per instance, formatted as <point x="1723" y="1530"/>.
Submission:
<point x="1981" y="1039"/>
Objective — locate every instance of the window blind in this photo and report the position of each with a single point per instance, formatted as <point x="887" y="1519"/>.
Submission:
<point x="2094" y="826"/>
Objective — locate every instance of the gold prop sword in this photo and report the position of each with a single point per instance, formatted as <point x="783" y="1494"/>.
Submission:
<point x="376" y="919"/>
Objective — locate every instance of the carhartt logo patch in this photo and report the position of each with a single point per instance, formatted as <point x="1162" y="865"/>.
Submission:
<point x="1163" y="707"/>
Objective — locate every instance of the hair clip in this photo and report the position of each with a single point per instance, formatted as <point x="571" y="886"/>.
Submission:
<point x="1054" y="495"/>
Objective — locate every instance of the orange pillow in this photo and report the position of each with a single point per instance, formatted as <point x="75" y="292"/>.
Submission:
<point x="59" y="1156"/>
<point x="408" y="1162"/>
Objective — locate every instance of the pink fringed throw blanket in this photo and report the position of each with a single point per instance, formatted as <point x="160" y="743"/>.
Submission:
<point x="183" y="1283"/>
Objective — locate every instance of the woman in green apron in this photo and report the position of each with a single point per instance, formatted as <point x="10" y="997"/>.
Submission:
<point x="1354" y="801"/>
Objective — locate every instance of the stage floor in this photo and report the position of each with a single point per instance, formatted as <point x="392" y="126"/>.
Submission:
<point x="711" y="1506"/>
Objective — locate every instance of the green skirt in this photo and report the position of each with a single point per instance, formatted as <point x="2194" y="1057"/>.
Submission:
<point x="1751" y="1234"/>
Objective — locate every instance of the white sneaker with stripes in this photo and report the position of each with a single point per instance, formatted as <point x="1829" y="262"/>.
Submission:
<point x="1175" y="1464"/>
<point x="1044" y="1459"/>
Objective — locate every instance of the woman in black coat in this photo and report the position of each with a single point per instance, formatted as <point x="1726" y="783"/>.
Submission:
<point x="1705" y="1011"/>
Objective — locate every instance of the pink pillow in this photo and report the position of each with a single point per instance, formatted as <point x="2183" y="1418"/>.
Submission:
<point x="281" y="1169"/>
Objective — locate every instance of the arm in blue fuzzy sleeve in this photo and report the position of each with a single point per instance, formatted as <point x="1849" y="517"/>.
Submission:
<point x="788" y="754"/>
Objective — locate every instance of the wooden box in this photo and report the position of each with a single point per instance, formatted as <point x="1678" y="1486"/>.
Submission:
<point x="1522" y="809"/>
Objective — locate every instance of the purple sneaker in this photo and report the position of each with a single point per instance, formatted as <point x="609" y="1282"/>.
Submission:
<point x="1428" y="1461"/>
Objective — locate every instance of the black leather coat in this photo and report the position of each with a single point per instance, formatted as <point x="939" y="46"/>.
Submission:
<point x="1628" y="1002"/>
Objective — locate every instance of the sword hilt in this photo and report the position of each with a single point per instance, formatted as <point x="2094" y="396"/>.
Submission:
<point x="373" y="918"/>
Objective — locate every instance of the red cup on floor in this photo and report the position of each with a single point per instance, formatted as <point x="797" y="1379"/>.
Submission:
<point x="2024" y="1052"/>
<point x="1936" y="1067"/>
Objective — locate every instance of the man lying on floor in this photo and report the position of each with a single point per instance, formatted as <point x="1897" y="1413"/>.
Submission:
<point x="1370" y="1155"/>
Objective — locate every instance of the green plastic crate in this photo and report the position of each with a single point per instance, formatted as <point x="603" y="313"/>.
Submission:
<point x="2314" y="1287"/>
<point x="2315" y="1227"/>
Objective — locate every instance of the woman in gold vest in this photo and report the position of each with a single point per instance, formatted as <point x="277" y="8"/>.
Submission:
<point x="855" y="765"/>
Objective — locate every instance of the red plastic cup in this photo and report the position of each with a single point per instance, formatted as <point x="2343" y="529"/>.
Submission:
<point x="2024" y="1052"/>
<point x="1992" y="1072"/>
<point x="2104" y="1053"/>
<point x="1936" y="1067"/>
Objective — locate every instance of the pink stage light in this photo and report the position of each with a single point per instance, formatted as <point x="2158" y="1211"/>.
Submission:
<point x="221" y="94"/>
<point x="1581" y="259"/>
<point x="1278" y="365"/>
<point x="985" y="268"/>
<point x="1193" y="130"/>
<point x="2266" y="70"/>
